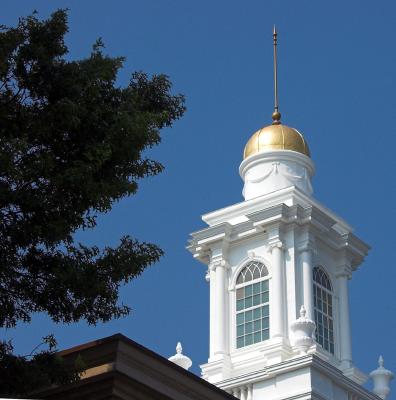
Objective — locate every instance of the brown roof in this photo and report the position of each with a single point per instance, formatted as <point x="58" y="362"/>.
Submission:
<point x="119" y="368"/>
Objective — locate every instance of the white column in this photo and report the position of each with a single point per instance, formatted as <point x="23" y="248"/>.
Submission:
<point x="277" y="294"/>
<point x="306" y="266"/>
<point x="221" y="316"/>
<point x="250" y="392"/>
<point x="212" y="309"/>
<point x="243" y="393"/>
<point x="345" y="325"/>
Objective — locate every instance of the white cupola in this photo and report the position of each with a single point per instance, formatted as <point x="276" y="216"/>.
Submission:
<point x="279" y="264"/>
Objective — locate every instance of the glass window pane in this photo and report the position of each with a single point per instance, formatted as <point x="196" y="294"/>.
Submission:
<point x="264" y="286"/>
<point x="257" y="326"/>
<point x="248" y="276"/>
<point x="265" y="334"/>
<point x="249" y="327"/>
<point x="240" y="293"/>
<point x="248" y="290"/>
<point x="265" y="311"/>
<point x="256" y="273"/>
<point x="240" y="342"/>
<point x="240" y="330"/>
<point x="240" y="318"/>
<point x="256" y="300"/>
<point x="257" y="313"/>
<point x="240" y="305"/>
<point x="265" y="297"/>
<point x="248" y="302"/>
<point x="248" y="315"/>
<point x="265" y="323"/>
<point x="248" y="340"/>
<point x="256" y="288"/>
<point x="257" y="337"/>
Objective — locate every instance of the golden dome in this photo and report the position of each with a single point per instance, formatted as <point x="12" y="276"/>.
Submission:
<point x="276" y="137"/>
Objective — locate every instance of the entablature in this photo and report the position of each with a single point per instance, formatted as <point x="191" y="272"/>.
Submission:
<point x="277" y="218"/>
<point x="312" y="362"/>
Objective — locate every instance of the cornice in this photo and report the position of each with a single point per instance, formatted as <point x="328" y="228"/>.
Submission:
<point x="310" y="360"/>
<point x="291" y="195"/>
<point x="316" y="222"/>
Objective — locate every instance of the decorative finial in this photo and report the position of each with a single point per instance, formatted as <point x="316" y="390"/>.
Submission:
<point x="302" y="329"/>
<point x="180" y="359"/>
<point x="381" y="378"/>
<point x="381" y="361"/>
<point x="276" y="115"/>
<point x="179" y="348"/>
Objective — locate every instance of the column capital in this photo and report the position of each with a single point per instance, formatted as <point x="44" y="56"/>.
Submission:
<point x="275" y="244"/>
<point x="307" y="246"/>
<point x="219" y="263"/>
<point x="207" y="275"/>
<point x="344" y="270"/>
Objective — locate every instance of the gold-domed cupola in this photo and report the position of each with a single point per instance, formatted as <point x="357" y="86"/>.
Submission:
<point x="276" y="157"/>
<point x="276" y="136"/>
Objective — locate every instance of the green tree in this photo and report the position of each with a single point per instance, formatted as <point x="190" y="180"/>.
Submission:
<point x="72" y="143"/>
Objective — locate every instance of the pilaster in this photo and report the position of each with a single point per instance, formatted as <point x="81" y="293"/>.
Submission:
<point x="278" y="294"/>
<point x="219" y="268"/>
<point x="305" y="251"/>
<point x="344" y="273"/>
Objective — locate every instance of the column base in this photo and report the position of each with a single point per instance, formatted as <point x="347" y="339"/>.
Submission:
<point x="355" y="374"/>
<point x="279" y="350"/>
<point x="217" y="369"/>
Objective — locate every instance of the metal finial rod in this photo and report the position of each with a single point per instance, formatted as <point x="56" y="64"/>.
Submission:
<point x="276" y="116"/>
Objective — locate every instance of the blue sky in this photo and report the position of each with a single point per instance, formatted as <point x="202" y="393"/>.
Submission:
<point x="337" y="66"/>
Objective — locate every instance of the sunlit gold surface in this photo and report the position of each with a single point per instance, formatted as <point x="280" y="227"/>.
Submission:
<point x="276" y="137"/>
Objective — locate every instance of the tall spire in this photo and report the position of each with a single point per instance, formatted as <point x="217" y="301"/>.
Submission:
<point x="276" y="116"/>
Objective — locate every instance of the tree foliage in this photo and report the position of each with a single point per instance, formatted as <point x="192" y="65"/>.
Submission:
<point x="21" y="375"/>
<point x="72" y="143"/>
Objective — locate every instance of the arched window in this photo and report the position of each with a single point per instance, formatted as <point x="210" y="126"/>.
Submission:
<point x="252" y="305"/>
<point x="323" y="306"/>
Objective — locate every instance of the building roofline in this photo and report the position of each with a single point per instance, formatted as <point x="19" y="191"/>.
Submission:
<point x="120" y="338"/>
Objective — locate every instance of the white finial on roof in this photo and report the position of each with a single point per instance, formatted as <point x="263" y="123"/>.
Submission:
<point x="381" y="378"/>
<point x="179" y="348"/>
<point x="180" y="359"/>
